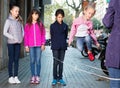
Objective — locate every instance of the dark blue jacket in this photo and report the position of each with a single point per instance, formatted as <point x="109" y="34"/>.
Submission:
<point x="59" y="33"/>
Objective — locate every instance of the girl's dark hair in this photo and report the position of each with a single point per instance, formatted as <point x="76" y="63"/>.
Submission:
<point x="59" y="11"/>
<point x="13" y="5"/>
<point x="36" y="11"/>
<point x="20" y="19"/>
<point x="29" y="20"/>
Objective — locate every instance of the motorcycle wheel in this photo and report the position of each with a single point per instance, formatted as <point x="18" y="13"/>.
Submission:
<point x="95" y="51"/>
<point x="103" y="67"/>
<point x="84" y="53"/>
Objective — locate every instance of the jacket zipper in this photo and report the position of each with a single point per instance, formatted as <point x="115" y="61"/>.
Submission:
<point x="34" y="36"/>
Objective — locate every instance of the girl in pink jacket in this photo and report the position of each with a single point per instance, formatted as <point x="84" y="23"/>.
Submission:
<point x="82" y="28"/>
<point x="34" y="41"/>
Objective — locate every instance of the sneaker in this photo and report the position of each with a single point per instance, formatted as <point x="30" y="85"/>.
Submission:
<point x="32" y="81"/>
<point x="37" y="80"/>
<point x="91" y="57"/>
<point x="62" y="82"/>
<point x="16" y="80"/>
<point x="54" y="82"/>
<point x="11" y="80"/>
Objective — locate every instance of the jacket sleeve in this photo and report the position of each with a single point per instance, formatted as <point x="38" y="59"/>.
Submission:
<point x="26" y="35"/>
<point x="51" y="31"/>
<point x="108" y="19"/>
<point x="72" y="32"/>
<point x="43" y="35"/>
<point x="92" y="34"/>
<point x="22" y="30"/>
<point x="6" y="29"/>
<point x="66" y="31"/>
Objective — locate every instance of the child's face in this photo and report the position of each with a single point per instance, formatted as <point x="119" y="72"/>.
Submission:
<point x="35" y="16"/>
<point x="89" y="13"/>
<point x="15" y="12"/>
<point x="59" y="18"/>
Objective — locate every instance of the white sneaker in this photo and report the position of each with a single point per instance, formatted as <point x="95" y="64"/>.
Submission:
<point x="16" y="80"/>
<point x="11" y="80"/>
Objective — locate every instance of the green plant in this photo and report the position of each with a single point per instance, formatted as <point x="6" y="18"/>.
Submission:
<point x="96" y="23"/>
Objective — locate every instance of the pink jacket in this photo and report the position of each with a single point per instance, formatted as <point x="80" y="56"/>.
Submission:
<point x="34" y="35"/>
<point x="76" y="23"/>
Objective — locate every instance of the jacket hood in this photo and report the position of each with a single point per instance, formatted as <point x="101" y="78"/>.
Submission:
<point x="10" y="17"/>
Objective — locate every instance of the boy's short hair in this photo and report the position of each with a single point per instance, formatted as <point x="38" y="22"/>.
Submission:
<point x="59" y="11"/>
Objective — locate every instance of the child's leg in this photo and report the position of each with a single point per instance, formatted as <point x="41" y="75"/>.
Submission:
<point x="55" y="63"/>
<point x="38" y="59"/>
<point x="80" y="43"/>
<point x="11" y="59"/>
<point x="61" y="57"/>
<point x="16" y="59"/>
<point x="88" y="42"/>
<point x="32" y="60"/>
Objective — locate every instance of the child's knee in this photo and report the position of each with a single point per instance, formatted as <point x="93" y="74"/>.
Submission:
<point x="88" y="39"/>
<point x="38" y="62"/>
<point x="80" y="48"/>
<point x="32" y="61"/>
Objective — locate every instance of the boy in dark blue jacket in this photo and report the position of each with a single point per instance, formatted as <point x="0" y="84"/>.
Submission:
<point x="59" y="33"/>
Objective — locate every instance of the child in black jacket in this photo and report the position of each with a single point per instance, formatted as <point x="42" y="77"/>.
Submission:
<point x="59" y="32"/>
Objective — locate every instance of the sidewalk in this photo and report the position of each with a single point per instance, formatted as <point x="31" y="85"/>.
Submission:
<point x="74" y="65"/>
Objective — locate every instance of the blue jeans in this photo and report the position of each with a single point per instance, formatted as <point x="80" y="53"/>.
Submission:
<point x="13" y="64"/>
<point x="35" y="60"/>
<point x="114" y="73"/>
<point x="81" y="40"/>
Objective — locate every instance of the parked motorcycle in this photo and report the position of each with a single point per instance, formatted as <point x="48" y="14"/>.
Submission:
<point x="102" y="56"/>
<point x="48" y="42"/>
<point x="95" y="50"/>
<point x="100" y="53"/>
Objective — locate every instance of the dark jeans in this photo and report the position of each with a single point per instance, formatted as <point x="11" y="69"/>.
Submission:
<point x="14" y="53"/>
<point x="58" y="58"/>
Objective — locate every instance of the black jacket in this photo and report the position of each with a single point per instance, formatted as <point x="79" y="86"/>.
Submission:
<point x="59" y="33"/>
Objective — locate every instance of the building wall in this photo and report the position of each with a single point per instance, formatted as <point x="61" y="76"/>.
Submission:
<point x="4" y="4"/>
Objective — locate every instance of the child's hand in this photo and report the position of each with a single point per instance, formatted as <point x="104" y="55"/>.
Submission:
<point x="69" y="44"/>
<point x="98" y="46"/>
<point x="27" y="49"/>
<point x="43" y="47"/>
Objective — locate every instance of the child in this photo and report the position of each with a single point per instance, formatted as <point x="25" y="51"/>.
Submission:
<point x="82" y="28"/>
<point x="13" y="30"/>
<point x="34" y="41"/>
<point x="59" y="32"/>
<point x="111" y="20"/>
